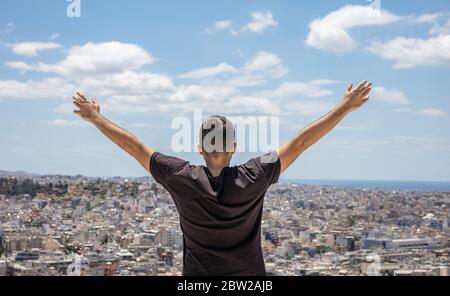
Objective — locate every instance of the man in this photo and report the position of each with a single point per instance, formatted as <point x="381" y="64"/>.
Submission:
<point x="220" y="207"/>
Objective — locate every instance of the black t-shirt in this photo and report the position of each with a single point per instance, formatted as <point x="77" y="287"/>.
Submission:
<point x="220" y="216"/>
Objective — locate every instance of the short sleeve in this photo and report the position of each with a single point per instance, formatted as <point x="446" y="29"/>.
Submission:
<point x="163" y="166"/>
<point x="268" y="165"/>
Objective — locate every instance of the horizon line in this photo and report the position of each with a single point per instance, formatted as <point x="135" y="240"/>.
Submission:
<point x="281" y="179"/>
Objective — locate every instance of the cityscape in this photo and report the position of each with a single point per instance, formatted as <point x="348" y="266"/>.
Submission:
<point x="56" y="225"/>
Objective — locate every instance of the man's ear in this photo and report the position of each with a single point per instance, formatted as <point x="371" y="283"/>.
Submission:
<point x="234" y="148"/>
<point x="200" y="150"/>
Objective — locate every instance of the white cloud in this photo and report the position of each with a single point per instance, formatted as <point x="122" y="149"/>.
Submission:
<point x="54" y="36"/>
<point x="263" y="67"/>
<point x="262" y="61"/>
<point x="67" y="123"/>
<point x="220" y="26"/>
<point x="324" y="82"/>
<point x="440" y="22"/>
<point x="98" y="58"/>
<point x="245" y="80"/>
<point x="257" y="71"/>
<point x="427" y="18"/>
<point x="266" y="62"/>
<point x="128" y="82"/>
<point x="32" y="48"/>
<point x="331" y="31"/>
<point x="440" y="29"/>
<point x="297" y="90"/>
<point x="220" y="69"/>
<point x="246" y="105"/>
<point x="433" y="112"/>
<point x="412" y="52"/>
<point x="45" y="88"/>
<point x="203" y="93"/>
<point x="120" y="88"/>
<point x="261" y="22"/>
<point x="390" y="96"/>
<point x="19" y="65"/>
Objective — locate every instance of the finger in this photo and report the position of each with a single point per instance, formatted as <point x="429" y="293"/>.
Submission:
<point x="366" y="91"/>
<point x="78" y="100"/>
<point x="79" y="105"/>
<point x="368" y="84"/>
<point x="77" y="112"/>
<point x="83" y="98"/>
<point x="361" y="85"/>
<point x="350" y="86"/>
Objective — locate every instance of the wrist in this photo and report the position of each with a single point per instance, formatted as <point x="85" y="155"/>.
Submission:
<point x="346" y="107"/>
<point x="96" y="118"/>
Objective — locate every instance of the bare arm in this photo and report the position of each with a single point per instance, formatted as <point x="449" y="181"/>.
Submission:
<point x="90" y="111"/>
<point x="353" y="99"/>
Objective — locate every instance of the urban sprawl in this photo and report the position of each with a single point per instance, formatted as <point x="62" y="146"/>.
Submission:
<point x="76" y="225"/>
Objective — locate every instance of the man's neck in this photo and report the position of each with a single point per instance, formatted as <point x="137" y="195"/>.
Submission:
<point x="216" y="168"/>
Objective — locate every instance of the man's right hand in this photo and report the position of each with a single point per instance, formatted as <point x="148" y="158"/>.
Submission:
<point x="358" y="96"/>
<point x="353" y="99"/>
<point x="88" y="110"/>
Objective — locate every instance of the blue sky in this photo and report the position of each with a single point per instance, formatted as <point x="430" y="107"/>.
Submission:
<point x="148" y="62"/>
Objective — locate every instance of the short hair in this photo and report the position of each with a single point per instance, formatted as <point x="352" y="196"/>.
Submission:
<point x="217" y="134"/>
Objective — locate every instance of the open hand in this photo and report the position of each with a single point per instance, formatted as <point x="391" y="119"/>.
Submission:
<point x="88" y="110"/>
<point x="358" y="96"/>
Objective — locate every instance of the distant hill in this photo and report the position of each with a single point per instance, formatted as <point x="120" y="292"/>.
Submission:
<point x="23" y="174"/>
<point x="15" y="174"/>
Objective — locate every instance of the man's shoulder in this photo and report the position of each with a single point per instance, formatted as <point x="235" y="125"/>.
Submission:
<point x="260" y="161"/>
<point x="267" y="165"/>
<point x="163" y="166"/>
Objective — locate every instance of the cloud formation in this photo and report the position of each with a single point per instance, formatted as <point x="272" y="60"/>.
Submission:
<point x="112" y="72"/>
<point x="261" y="22"/>
<point x="32" y="48"/>
<point x="67" y="123"/>
<point x="331" y="32"/>
<point x="220" y="69"/>
<point x="433" y="112"/>
<point x="390" y="96"/>
<point x="413" y="52"/>
<point x="93" y="59"/>
<point x="221" y="26"/>
<point x="45" y="88"/>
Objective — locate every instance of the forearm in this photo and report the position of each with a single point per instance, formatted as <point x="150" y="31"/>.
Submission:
<point x="124" y="139"/>
<point x="318" y="129"/>
<point x="311" y="134"/>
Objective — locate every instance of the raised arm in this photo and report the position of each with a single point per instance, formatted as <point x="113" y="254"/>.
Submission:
<point x="90" y="111"/>
<point x="353" y="99"/>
